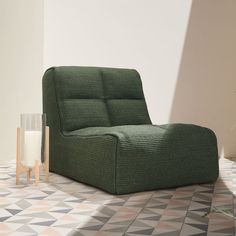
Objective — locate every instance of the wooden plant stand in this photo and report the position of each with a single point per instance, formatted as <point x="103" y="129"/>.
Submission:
<point x="36" y="169"/>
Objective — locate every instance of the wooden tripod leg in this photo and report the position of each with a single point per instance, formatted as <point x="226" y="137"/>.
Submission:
<point x="19" y="167"/>
<point x="36" y="172"/>
<point x="46" y="154"/>
<point x="28" y="175"/>
<point x="18" y="155"/>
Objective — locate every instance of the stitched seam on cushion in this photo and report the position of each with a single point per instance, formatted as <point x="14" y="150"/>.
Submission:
<point x="115" y="169"/>
<point x="125" y="99"/>
<point x="104" y="97"/>
<point x="68" y="99"/>
<point x="87" y="136"/>
<point x="57" y="102"/>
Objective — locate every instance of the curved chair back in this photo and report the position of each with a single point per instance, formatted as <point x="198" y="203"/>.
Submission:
<point x="93" y="97"/>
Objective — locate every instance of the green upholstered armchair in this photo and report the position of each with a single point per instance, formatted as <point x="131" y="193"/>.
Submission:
<point x="101" y="134"/>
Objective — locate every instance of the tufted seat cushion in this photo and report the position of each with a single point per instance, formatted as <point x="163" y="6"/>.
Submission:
<point x="172" y="155"/>
<point x="101" y="134"/>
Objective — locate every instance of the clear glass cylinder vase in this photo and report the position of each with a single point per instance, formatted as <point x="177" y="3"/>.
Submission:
<point x="32" y="138"/>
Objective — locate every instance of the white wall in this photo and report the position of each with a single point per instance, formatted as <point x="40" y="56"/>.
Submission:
<point x="21" y="63"/>
<point x="141" y="34"/>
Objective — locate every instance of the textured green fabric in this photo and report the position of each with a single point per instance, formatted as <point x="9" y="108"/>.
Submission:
<point x="85" y="97"/>
<point x="101" y="134"/>
<point x="122" y="84"/>
<point x="91" y="112"/>
<point x="127" y="111"/>
<point x="80" y="97"/>
<point x="150" y="157"/>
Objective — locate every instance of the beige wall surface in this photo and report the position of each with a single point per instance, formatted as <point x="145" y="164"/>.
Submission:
<point x="205" y="91"/>
<point x="21" y="63"/>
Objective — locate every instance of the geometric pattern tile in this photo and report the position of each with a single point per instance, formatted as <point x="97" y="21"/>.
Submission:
<point x="66" y="207"/>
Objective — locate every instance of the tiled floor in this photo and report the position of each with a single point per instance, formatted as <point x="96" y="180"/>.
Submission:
<point x="65" y="207"/>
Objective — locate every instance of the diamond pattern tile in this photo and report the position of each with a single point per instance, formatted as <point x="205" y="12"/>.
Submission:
<point x="65" y="207"/>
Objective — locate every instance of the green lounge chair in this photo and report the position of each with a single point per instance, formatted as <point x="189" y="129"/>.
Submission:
<point x="101" y="134"/>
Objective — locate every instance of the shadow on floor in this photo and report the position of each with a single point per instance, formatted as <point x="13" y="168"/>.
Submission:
<point x="179" y="211"/>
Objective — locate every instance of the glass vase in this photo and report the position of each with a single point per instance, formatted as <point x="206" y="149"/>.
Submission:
<point x="32" y="127"/>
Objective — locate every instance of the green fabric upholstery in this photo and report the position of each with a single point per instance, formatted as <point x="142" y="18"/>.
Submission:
<point x="80" y="98"/>
<point x="127" y="111"/>
<point x="101" y="134"/>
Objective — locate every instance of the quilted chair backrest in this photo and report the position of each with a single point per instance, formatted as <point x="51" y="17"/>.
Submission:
<point x="93" y="96"/>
